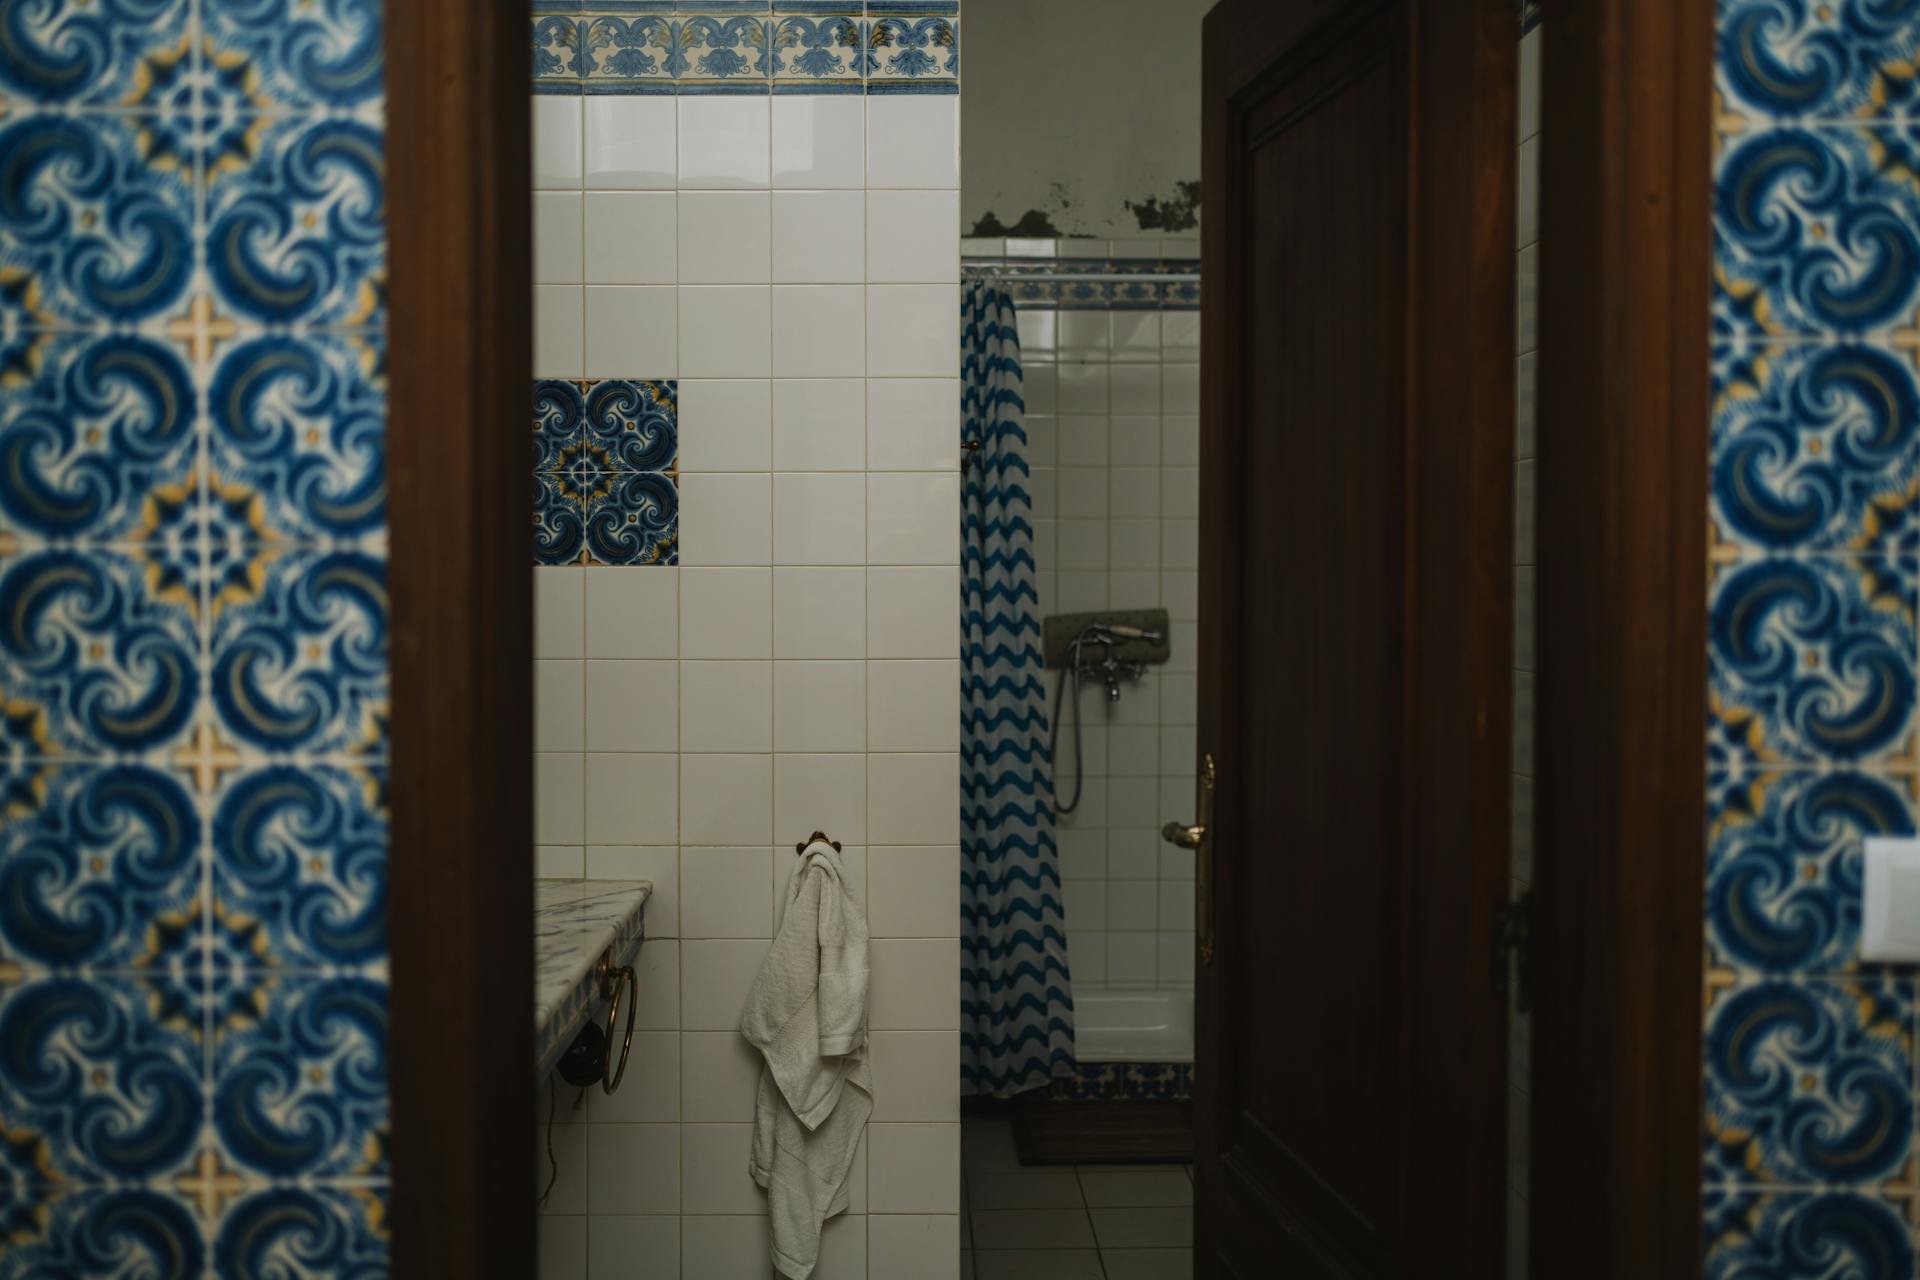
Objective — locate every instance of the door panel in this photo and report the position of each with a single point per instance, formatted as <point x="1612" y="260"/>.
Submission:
<point x="1354" y="585"/>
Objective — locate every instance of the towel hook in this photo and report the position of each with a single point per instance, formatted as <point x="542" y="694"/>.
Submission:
<point x="818" y="835"/>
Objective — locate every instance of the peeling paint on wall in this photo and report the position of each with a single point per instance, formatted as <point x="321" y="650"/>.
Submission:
<point x="1177" y="212"/>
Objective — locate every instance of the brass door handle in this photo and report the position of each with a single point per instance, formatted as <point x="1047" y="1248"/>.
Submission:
<point x="1185" y="837"/>
<point x="1198" y="838"/>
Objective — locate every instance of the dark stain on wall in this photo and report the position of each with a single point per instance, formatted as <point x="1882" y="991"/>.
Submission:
<point x="1177" y="212"/>
<point x="1033" y="224"/>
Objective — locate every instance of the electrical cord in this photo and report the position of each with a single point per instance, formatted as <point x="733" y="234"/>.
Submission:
<point x="1064" y="807"/>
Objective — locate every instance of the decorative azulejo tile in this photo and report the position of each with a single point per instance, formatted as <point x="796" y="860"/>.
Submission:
<point x="301" y="1091"/>
<point x="107" y="1087"/>
<point x="122" y="1234"/>
<point x="1094" y="284"/>
<point x="1789" y="1235"/>
<point x="105" y="426"/>
<point x="1784" y="865"/>
<point x="1798" y="60"/>
<point x="109" y="850"/>
<point x="102" y="232"/>
<point x="1812" y="660"/>
<point x="303" y="851"/>
<point x="301" y="424"/>
<point x="1820" y="454"/>
<point x="86" y="52"/>
<point x="1809" y="1082"/>
<point x="912" y="47"/>
<point x="88" y="641"/>
<point x="298" y="235"/>
<point x="302" y="1231"/>
<point x="298" y="53"/>
<point x="819" y="53"/>
<point x="605" y="490"/>
<point x="1125" y="1082"/>
<point x="301" y="666"/>
<point x="1816" y="234"/>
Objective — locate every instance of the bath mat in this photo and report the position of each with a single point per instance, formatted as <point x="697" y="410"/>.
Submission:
<point x="1104" y="1132"/>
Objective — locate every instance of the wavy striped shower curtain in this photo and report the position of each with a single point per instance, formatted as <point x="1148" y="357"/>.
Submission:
<point x="1016" y="1001"/>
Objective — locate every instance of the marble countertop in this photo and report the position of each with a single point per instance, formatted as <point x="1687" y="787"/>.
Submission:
<point x="575" y="922"/>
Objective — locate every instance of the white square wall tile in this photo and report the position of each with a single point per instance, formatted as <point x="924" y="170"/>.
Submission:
<point x="726" y="800"/>
<point x="558" y="797"/>
<point x="913" y="424"/>
<point x="559" y="611"/>
<point x="1134" y="335"/>
<point x="913" y="518"/>
<point x="915" y="799"/>
<point x="911" y="237"/>
<point x="633" y="1168"/>
<point x="631" y="799"/>
<point x="915" y="984"/>
<point x="913" y="330"/>
<point x="725" y="331"/>
<point x="558" y="705"/>
<point x="725" y="893"/>
<point x="725" y="520"/>
<point x="913" y="1168"/>
<point x="817" y="237"/>
<point x="630" y="237"/>
<point x="725" y="142"/>
<point x="724" y="237"/>
<point x="913" y="140"/>
<point x="913" y="1075"/>
<point x="913" y="613"/>
<point x="631" y="331"/>
<point x="557" y="242"/>
<point x="714" y="1177"/>
<point x="726" y="612"/>
<point x="823" y="793"/>
<point x="820" y="707"/>
<point x="720" y="1074"/>
<point x="819" y="141"/>
<point x="819" y="424"/>
<point x="923" y="1247"/>
<point x="721" y="1246"/>
<point x="632" y="612"/>
<point x="819" y="518"/>
<point x="659" y="865"/>
<point x="631" y="143"/>
<point x="715" y="978"/>
<point x="559" y="331"/>
<point x="912" y="706"/>
<point x="726" y="706"/>
<point x="632" y="706"/>
<point x="819" y="330"/>
<point x="624" y="1245"/>
<point x="913" y="892"/>
<point x="562" y="1241"/>
<point x="653" y="1072"/>
<point x="559" y="862"/>
<point x="820" y="613"/>
<point x="657" y="979"/>
<point x="569" y="1155"/>
<point x="725" y="424"/>
<point x="556" y="141"/>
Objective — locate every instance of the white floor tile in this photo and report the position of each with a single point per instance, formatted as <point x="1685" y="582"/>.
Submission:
<point x="1148" y="1264"/>
<point x="1025" y="1189"/>
<point x="1106" y="1189"/>
<point x="1143" y="1228"/>
<point x="1032" y="1229"/>
<point x="1037" y="1264"/>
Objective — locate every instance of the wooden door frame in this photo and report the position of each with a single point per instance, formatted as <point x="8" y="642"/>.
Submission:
<point x="1626" y="196"/>
<point x="460" y="874"/>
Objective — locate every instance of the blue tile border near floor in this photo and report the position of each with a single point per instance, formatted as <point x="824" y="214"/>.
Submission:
<point x="746" y="48"/>
<point x="1092" y="284"/>
<point x="605" y="485"/>
<point x="1809" y="1158"/>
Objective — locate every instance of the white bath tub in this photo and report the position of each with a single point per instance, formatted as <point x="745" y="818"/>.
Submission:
<point x="1133" y="1026"/>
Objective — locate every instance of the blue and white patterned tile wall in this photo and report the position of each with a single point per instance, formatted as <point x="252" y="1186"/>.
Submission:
<point x="1810" y="1164"/>
<point x="193" y="638"/>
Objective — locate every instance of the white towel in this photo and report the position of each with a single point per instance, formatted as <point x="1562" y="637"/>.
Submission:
<point x="807" y="1015"/>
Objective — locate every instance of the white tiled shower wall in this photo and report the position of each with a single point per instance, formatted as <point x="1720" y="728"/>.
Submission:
<point x="1113" y="403"/>
<point x="791" y="262"/>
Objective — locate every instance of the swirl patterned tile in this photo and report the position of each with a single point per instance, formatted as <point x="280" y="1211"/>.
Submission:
<point x="1787" y="1236"/>
<point x="1815" y="235"/>
<point x="101" y="229"/>
<point x="107" y="1088"/>
<point x="105" y="657"/>
<point x="1818" y="452"/>
<point x="87" y="52"/>
<point x="635" y="521"/>
<point x="304" y="852"/>
<point x="1784" y="865"/>
<point x="305" y="1231"/>
<point x="109" y="851"/>
<point x="302" y="424"/>
<point x="634" y="424"/>
<point x="297" y="53"/>
<point x="302" y="666"/>
<point x="604" y="486"/>
<point x="298" y="235"/>
<point x="123" y="1234"/>
<point x="1791" y="59"/>
<point x="87" y="447"/>
<point x="301" y="1091"/>
<point x="1811" y="660"/>
<point x="1809" y="1082"/>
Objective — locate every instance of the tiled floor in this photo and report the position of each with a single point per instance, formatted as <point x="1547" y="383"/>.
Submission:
<point x="1094" y="1222"/>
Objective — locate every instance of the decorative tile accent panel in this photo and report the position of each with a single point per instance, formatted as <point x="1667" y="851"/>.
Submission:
<point x="1809" y="1156"/>
<point x="193" y="637"/>
<point x="803" y="47"/>
<point x="1125" y="1082"/>
<point x="1095" y="284"/>
<point x="605" y="485"/>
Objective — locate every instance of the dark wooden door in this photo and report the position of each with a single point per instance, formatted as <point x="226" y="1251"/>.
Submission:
<point x="1356" y="614"/>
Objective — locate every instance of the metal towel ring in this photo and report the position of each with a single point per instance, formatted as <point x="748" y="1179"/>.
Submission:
<point x="610" y="1076"/>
